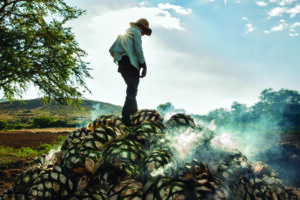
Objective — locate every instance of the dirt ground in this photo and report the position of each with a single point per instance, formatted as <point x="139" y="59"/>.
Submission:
<point x="24" y="138"/>
<point x="31" y="137"/>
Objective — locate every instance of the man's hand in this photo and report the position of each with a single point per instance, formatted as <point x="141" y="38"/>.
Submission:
<point x="144" y="72"/>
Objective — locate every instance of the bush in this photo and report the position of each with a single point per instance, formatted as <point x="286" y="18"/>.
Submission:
<point x="19" y="126"/>
<point x="3" y="124"/>
<point x="27" y="111"/>
<point x="42" y="122"/>
<point x="59" y="123"/>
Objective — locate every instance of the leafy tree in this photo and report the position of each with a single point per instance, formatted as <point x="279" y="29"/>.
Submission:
<point x="37" y="48"/>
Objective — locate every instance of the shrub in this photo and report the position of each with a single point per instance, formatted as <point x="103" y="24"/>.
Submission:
<point x="3" y="124"/>
<point x="42" y="122"/>
<point x="59" y="123"/>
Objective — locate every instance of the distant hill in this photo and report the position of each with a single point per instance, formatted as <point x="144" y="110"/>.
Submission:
<point x="25" y="111"/>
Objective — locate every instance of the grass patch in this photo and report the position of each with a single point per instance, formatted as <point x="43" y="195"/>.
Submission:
<point x="10" y="155"/>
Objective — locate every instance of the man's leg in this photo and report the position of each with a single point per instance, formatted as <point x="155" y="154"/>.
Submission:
<point x="131" y="77"/>
<point x="134" y="107"/>
<point x="130" y="105"/>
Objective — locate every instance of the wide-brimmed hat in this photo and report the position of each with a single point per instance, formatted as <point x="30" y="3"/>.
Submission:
<point x="144" y="23"/>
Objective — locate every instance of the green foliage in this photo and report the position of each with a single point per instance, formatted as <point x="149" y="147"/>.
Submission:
<point x="36" y="47"/>
<point x="42" y="122"/>
<point x="27" y="111"/>
<point x="26" y="152"/>
<point x="48" y="122"/>
<point x="3" y="124"/>
<point x="44" y="148"/>
<point x="60" y="123"/>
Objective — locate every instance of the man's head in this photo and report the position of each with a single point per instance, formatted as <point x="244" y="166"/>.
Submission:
<point x="143" y="24"/>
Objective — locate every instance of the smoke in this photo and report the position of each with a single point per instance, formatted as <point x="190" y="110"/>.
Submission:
<point x="96" y="111"/>
<point x="183" y="142"/>
<point x="263" y="141"/>
<point x="52" y="156"/>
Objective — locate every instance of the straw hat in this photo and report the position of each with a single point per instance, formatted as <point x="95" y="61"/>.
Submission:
<point x="144" y="23"/>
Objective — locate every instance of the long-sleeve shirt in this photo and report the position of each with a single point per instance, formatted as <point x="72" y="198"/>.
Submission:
<point x="129" y="44"/>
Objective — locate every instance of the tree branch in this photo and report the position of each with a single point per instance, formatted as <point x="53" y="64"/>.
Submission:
<point x="14" y="3"/>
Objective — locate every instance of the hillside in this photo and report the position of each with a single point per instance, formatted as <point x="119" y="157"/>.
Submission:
<point x="23" y="112"/>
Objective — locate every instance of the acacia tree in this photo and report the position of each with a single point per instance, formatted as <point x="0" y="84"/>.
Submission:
<point x="37" y="48"/>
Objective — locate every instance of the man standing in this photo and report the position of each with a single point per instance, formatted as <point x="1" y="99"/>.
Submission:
<point x="127" y="51"/>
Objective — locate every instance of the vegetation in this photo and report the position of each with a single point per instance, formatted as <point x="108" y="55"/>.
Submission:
<point x="3" y="124"/>
<point x="34" y="114"/>
<point x="37" y="48"/>
<point x="11" y="155"/>
<point x="276" y="111"/>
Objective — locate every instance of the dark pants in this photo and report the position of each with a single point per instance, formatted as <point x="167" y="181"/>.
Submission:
<point x="131" y="77"/>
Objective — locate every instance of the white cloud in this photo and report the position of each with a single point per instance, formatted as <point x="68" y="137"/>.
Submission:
<point x="249" y="28"/>
<point x="279" y="11"/>
<point x="293" y="34"/>
<point x="296" y="24"/>
<point x="286" y="2"/>
<point x="176" y="8"/>
<point x="261" y="3"/>
<point x="284" y="26"/>
<point x="294" y="11"/>
<point x="245" y="18"/>
<point x="279" y="27"/>
<point x="282" y="2"/>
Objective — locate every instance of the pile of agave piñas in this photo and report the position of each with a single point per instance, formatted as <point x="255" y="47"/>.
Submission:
<point x="108" y="160"/>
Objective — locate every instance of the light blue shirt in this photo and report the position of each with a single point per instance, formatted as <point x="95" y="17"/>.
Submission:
<point x="129" y="44"/>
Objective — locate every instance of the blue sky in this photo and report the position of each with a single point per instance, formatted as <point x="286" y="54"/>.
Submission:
<point x="202" y="55"/>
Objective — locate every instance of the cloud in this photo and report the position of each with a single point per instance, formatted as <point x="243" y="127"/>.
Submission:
<point x="296" y="24"/>
<point x="249" y="28"/>
<point x="294" y="11"/>
<point x="245" y="18"/>
<point x="284" y="26"/>
<point x="279" y="11"/>
<point x="293" y="34"/>
<point x="279" y="27"/>
<point x="261" y="3"/>
<point x="282" y="2"/>
<point x="176" y="8"/>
